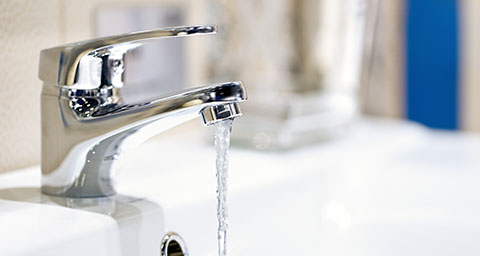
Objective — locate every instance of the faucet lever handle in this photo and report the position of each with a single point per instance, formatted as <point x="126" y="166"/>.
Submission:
<point x="93" y="63"/>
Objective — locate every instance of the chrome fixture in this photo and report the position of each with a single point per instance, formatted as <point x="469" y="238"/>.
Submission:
<point x="173" y="245"/>
<point x="87" y="124"/>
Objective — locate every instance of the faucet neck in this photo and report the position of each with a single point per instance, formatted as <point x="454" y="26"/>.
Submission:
<point x="86" y="125"/>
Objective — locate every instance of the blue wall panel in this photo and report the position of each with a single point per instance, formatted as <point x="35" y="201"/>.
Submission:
<point x="431" y="62"/>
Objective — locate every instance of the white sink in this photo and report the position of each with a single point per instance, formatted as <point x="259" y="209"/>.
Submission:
<point x="387" y="188"/>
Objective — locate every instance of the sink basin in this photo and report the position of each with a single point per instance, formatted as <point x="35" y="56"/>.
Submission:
<point x="386" y="188"/>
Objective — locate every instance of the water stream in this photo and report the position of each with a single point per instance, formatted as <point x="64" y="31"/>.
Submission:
<point x="222" y="143"/>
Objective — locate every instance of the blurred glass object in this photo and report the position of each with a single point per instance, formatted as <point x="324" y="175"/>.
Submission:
<point x="157" y="67"/>
<point x="301" y="61"/>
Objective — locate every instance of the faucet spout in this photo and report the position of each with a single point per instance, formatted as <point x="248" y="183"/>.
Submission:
<point x="92" y="128"/>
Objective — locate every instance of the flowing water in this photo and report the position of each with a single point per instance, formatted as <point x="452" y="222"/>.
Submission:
<point x="222" y="143"/>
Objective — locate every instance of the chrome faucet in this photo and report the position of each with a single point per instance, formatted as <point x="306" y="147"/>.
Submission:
<point x="86" y="124"/>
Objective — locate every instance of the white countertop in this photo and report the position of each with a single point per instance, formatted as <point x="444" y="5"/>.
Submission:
<point x="380" y="172"/>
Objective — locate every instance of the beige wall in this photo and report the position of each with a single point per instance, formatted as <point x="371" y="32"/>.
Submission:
<point x="26" y="27"/>
<point x="382" y="87"/>
<point x="470" y="65"/>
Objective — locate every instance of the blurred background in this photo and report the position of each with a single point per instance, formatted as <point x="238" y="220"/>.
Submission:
<point x="311" y="67"/>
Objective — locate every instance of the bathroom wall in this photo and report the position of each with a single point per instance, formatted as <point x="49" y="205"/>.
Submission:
<point x="381" y="92"/>
<point x="27" y="26"/>
<point x="385" y="91"/>
<point x="470" y="65"/>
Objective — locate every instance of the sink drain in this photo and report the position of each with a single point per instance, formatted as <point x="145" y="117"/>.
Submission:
<point x="173" y="245"/>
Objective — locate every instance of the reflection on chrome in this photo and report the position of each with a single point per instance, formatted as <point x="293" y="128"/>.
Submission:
<point x="87" y="125"/>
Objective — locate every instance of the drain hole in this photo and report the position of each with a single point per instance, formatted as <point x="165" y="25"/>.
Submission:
<point x="174" y="249"/>
<point x="173" y="245"/>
